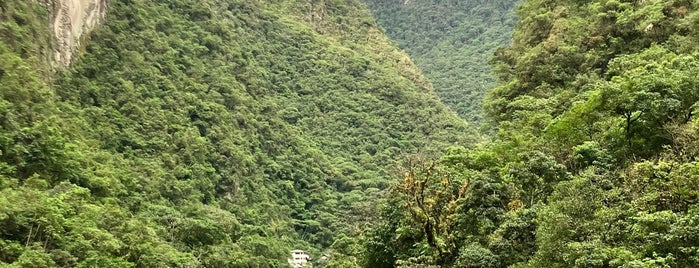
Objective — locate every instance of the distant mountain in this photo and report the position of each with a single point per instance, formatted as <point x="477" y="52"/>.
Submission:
<point x="451" y="42"/>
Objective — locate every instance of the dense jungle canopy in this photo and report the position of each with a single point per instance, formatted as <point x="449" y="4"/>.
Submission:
<point x="204" y="133"/>
<point x="225" y="133"/>
<point x="451" y="42"/>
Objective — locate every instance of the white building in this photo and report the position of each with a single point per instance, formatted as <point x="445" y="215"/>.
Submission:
<point x="299" y="259"/>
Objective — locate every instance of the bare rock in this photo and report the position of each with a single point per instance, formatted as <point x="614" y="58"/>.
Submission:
<point x="72" y="22"/>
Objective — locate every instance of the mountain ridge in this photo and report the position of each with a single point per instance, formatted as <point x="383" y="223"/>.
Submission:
<point x="204" y="134"/>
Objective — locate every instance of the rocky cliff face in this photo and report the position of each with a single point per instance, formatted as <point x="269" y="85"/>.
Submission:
<point x="72" y="21"/>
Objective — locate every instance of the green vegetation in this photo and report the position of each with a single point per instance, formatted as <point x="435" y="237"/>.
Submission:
<point x="594" y="159"/>
<point x="226" y="133"/>
<point x="204" y="134"/>
<point x="451" y="42"/>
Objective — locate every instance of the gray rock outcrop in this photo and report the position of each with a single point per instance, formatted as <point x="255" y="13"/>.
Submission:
<point x="72" y="22"/>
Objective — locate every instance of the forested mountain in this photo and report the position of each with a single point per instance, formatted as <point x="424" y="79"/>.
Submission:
<point x="595" y="159"/>
<point x="202" y="133"/>
<point x="224" y="133"/>
<point x="451" y="42"/>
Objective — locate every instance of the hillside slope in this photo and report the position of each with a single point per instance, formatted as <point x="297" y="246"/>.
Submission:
<point x="595" y="159"/>
<point x="452" y="43"/>
<point x="204" y="133"/>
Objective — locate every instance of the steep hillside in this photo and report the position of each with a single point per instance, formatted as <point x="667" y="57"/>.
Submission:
<point x="595" y="159"/>
<point x="451" y="42"/>
<point x="204" y="133"/>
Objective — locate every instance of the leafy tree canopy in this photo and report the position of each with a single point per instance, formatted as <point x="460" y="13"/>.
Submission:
<point x="204" y="133"/>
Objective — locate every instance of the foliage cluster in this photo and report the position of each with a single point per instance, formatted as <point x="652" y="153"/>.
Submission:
<point x="594" y="163"/>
